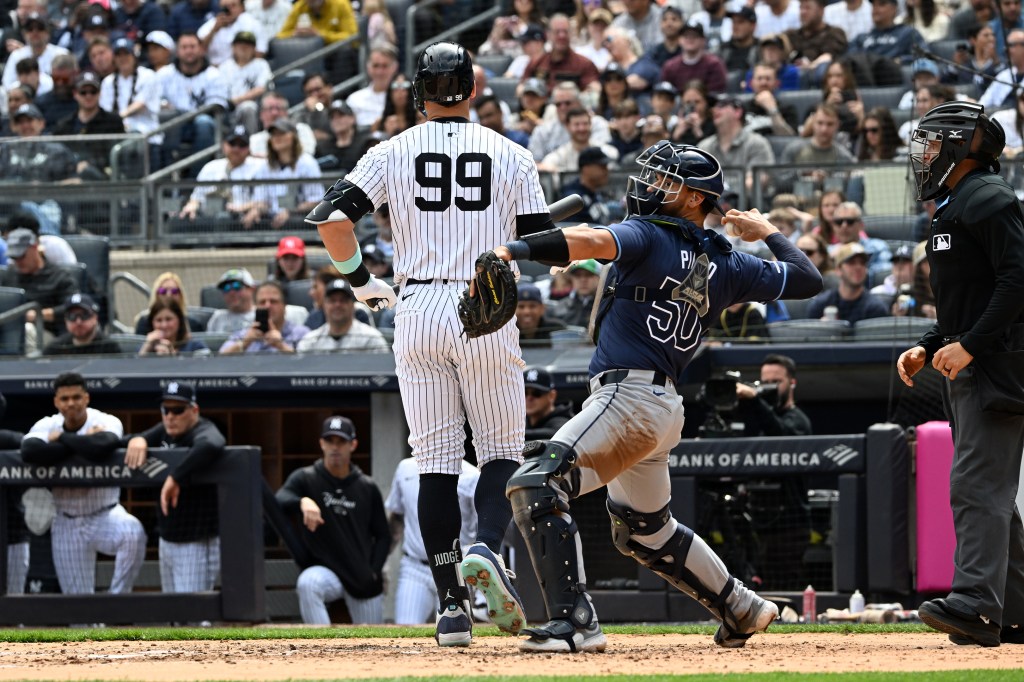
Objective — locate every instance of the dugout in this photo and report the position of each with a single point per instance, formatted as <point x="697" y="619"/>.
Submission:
<point x="277" y="403"/>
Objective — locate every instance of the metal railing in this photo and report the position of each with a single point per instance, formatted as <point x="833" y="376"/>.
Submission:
<point x="412" y="48"/>
<point x="18" y="313"/>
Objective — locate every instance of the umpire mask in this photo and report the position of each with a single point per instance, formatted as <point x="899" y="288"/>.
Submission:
<point x="943" y="139"/>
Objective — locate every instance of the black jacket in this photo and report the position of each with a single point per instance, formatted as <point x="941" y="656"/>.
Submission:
<point x="103" y="123"/>
<point x="976" y="247"/>
<point x="549" y="425"/>
<point x="65" y="345"/>
<point x="354" y="541"/>
<point x="195" y="518"/>
<point x="761" y="419"/>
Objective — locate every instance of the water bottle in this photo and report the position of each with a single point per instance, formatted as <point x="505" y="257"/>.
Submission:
<point x="810" y="609"/>
<point x="831" y="313"/>
<point x="856" y="602"/>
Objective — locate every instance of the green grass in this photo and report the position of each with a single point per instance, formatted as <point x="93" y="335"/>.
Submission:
<point x="387" y="632"/>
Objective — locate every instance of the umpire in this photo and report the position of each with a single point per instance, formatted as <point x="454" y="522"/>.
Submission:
<point x="975" y="248"/>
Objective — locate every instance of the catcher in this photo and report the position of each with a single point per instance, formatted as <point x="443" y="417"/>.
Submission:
<point x="673" y="278"/>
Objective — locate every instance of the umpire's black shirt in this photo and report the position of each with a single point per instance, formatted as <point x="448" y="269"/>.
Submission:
<point x="195" y="517"/>
<point x="976" y="251"/>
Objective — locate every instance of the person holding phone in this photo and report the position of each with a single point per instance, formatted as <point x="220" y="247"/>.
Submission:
<point x="270" y="332"/>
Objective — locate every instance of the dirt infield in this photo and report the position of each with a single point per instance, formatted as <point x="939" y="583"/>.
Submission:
<point x="362" y="658"/>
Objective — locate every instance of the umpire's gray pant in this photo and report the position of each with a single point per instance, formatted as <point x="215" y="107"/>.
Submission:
<point x="989" y="558"/>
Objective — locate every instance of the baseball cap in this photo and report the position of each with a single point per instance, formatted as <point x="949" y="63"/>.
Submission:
<point x="19" y="241"/>
<point x="282" y="124"/>
<point x="665" y="88"/>
<point x="533" y="32"/>
<point x="593" y="155"/>
<point x="340" y="106"/>
<point x="666" y="9"/>
<point x="161" y="38"/>
<point x="36" y="19"/>
<point x="291" y="245"/>
<point x="247" y="37"/>
<point x="693" y="28"/>
<point x="372" y="252"/>
<point x="83" y="301"/>
<point x="339" y="426"/>
<point x="848" y="251"/>
<point x="924" y="66"/>
<point x="536" y="86"/>
<point x="746" y="13"/>
<point x="539" y="379"/>
<point x="237" y="133"/>
<point x="529" y="292"/>
<point x="613" y="69"/>
<point x="94" y="22"/>
<point x="603" y="15"/>
<point x="123" y="45"/>
<point x="87" y="79"/>
<point x="888" y="2"/>
<point x="339" y="286"/>
<point x="590" y="265"/>
<point x="180" y="392"/>
<point x="27" y="110"/>
<point x="773" y="39"/>
<point x="904" y="252"/>
<point x="237" y="275"/>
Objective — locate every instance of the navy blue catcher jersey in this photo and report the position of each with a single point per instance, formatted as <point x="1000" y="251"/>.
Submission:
<point x="671" y="283"/>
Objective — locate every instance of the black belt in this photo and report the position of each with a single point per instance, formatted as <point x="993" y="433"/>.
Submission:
<point x="616" y="376"/>
<point x="420" y="561"/>
<point x="87" y="514"/>
<point x="432" y="280"/>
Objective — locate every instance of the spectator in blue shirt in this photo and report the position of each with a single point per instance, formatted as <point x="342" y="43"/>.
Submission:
<point x="851" y="299"/>
<point x="136" y="18"/>
<point x="279" y="335"/>
<point x="488" y="111"/>
<point x="1011" y="19"/>
<point x="188" y="15"/>
<point x="887" y="38"/>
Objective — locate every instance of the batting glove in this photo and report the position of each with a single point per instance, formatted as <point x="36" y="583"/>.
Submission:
<point x="376" y="294"/>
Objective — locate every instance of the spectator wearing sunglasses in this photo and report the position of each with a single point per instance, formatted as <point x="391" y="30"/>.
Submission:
<point x="167" y="286"/>
<point x="83" y="335"/>
<point x="36" y="29"/>
<point x="543" y="416"/>
<point x="187" y="514"/>
<point x="849" y="226"/>
<point x="239" y="288"/>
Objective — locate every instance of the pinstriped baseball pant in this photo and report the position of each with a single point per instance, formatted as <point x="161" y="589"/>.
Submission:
<point x="446" y="379"/>
<point x="189" y="566"/>
<point x="416" y="596"/>
<point x="77" y="540"/>
<point x="317" y="586"/>
<point x="17" y="567"/>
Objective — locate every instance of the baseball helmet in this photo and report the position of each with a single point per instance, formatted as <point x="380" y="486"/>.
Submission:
<point x="943" y="139"/>
<point x="444" y="74"/>
<point x="684" y="165"/>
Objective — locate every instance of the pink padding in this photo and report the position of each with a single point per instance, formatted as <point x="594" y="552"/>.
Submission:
<point x="936" y="541"/>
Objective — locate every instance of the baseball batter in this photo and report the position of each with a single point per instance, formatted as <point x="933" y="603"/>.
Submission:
<point x="88" y="520"/>
<point x="454" y="189"/>
<point x="415" y="598"/>
<point x="673" y="278"/>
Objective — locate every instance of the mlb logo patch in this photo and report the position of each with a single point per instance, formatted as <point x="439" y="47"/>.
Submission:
<point x="940" y="242"/>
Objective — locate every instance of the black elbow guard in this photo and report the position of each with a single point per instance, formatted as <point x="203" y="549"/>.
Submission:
<point x="349" y="199"/>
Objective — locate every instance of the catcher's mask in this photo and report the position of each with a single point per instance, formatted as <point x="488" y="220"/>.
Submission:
<point x="682" y="164"/>
<point x="943" y="138"/>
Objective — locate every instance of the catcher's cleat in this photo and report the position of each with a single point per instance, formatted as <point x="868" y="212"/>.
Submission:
<point x="561" y="636"/>
<point x="453" y="627"/>
<point x="762" y="614"/>
<point x="483" y="569"/>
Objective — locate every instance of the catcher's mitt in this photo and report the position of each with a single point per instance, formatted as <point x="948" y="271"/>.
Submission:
<point x="494" y="301"/>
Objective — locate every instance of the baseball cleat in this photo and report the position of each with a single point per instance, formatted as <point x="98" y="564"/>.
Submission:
<point x="453" y="627"/>
<point x="956" y="618"/>
<point x="1008" y="634"/>
<point x="561" y="636"/>
<point x="484" y="570"/>
<point x="762" y="614"/>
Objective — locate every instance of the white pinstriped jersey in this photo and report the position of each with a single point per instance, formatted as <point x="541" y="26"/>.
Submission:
<point x="79" y="501"/>
<point x="404" y="500"/>
<point x="454" y="189"/>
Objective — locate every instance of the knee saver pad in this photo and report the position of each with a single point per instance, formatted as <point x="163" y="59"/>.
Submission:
<point x="627" y="522"/>
<point x="550" y="466"/>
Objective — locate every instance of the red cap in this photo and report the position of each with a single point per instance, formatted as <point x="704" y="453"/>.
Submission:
<point x="291" y="245"/>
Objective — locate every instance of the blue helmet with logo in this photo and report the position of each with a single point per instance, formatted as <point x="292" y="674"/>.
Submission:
<point x="680" y="165"/>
